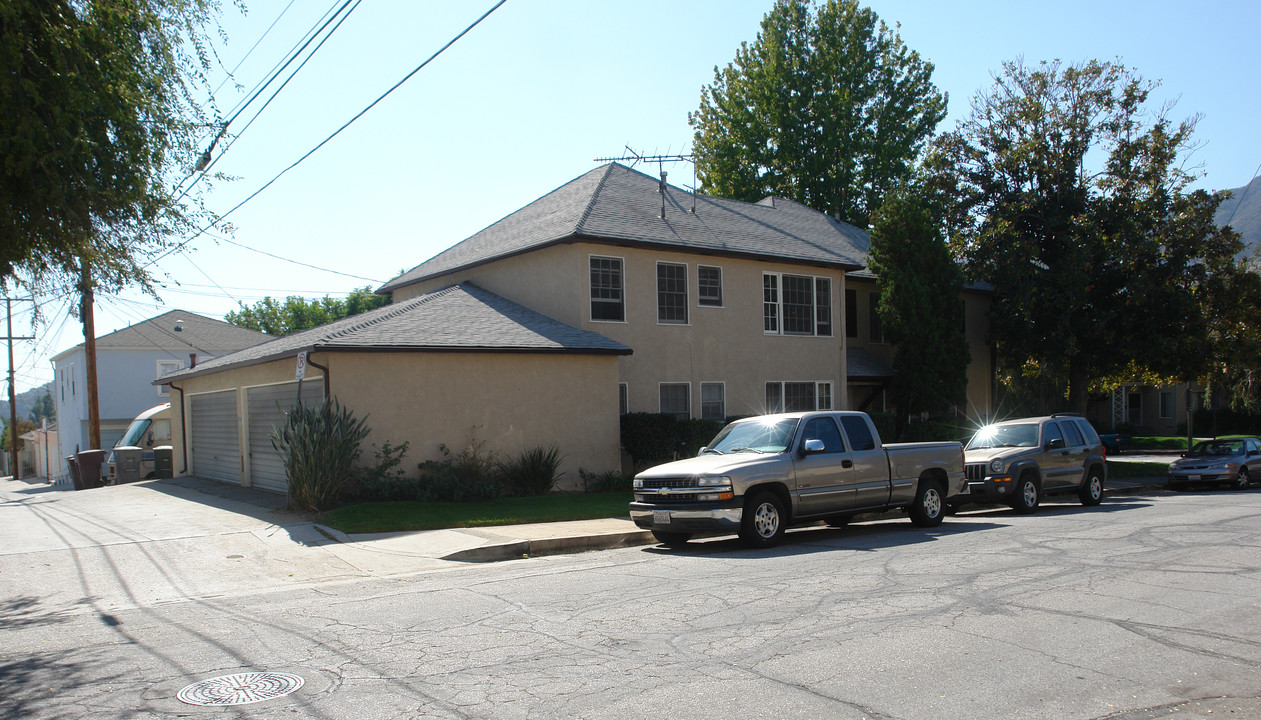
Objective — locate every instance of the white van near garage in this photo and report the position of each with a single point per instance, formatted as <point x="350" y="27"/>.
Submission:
<point x="150" y="429"/>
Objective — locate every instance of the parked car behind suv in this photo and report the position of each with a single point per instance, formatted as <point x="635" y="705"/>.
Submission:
<point x="1016" y="462"/>
<point x="1231" y="461"/>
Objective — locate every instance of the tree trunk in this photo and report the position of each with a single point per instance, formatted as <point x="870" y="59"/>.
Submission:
<point x="1078" y="386"/>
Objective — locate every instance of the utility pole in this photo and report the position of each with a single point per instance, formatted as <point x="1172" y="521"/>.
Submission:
<point x="13" y="398"/>
<point x="89" y="349"/>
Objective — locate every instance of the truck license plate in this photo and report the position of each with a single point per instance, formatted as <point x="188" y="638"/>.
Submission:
<point x="660" y="517"/>
<point x="1193" y="478"/>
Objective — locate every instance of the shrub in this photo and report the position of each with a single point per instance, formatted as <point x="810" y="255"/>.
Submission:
<point x="886" y="424"/>
<point x="611" y="481"/>
<point x="649" y="438"/>
<point x="694" y="435"/>
<point x="470" y="476"/>
<point x="533" y="472"/>
<point x="319" y="445"/>
<point x="385" y="479"/>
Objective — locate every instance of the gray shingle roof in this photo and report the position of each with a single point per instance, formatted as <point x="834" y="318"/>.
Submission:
<point x="197" y="333"/>
<point x="461" y="318"/>
<point x="860" y="364"/>
<point x="617" y="205"/>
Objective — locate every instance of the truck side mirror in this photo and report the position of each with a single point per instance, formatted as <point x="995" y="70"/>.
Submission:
<point x="1055" y="444"/>
<point x="149" y="441"/>
<point x="812" y="446"/>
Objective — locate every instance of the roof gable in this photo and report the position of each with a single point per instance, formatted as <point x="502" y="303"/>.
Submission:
<point x="618" y="205"/>
<point x="197" y="333"/>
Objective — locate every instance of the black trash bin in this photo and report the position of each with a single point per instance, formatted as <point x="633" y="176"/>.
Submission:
<point x="163" y="462"/>
<point x="90" y="462"/>
<point x="72" y="462"/>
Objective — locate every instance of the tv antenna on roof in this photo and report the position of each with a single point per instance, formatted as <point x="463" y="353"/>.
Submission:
<point x="634" y="158"/>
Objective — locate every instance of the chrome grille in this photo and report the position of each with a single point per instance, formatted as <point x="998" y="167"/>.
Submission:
<point x="679" y="482"/>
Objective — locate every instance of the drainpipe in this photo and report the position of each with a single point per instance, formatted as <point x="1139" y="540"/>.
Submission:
<point x="183" y="430"/>
<point x="318" y="366"/>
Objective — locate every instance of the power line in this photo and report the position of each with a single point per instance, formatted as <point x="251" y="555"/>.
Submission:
<point x="246" y="56"/>
<point x="295" y="262"/>
<point x="337" y="132"/>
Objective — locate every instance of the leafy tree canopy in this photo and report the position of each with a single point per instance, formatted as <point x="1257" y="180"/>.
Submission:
<point x="44" y="408"/>
<point x="296" y="313"/>
<point x="24" y="426"/>
<point x="1077" y="209"/>
<point x="920" y="307"/>
<point x="829" y="109"/>
<point x="99" y="112"/>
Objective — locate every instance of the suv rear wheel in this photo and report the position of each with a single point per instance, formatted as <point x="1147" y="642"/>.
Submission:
<point x="1091" y="491"/>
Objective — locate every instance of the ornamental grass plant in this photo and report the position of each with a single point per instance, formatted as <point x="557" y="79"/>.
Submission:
<point x="319" y="445"/>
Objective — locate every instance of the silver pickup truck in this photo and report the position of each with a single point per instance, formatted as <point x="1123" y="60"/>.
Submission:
<point x="761" y="474"/>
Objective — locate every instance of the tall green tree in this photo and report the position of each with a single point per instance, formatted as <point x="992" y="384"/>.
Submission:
<point x="1102" y="259"/>
<point x="920" y="306"/>
<point x="101" y="113"/>
<point x="295" y="313"/>
<point x="829" y="109"/>
<point x="44" y="408"/>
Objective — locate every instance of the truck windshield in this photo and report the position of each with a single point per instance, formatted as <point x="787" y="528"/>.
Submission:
<point x="135" y="432"/>
<point x="772" y="436"/>
<point x="992" y="436"/>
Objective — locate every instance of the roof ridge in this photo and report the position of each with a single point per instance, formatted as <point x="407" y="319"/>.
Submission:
<point x="586" y="212"/>
<point x="394" y="311"/>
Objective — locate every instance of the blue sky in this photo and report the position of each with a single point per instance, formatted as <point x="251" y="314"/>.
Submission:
<point x="530" y="97"/>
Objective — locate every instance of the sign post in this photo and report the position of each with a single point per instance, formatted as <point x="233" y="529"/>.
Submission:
<point x="300" y="373"/>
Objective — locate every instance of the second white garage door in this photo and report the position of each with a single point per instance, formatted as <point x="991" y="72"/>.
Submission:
<point x="267" y="407"/>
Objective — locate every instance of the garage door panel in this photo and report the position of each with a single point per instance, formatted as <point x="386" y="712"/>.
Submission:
<point x="216" y="447"/>
<point x="267" y="408"/>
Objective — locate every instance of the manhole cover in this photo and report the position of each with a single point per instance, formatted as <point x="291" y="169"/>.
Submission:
<point x="241" y="689"/>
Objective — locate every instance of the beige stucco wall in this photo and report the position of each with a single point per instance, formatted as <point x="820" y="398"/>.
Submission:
<point x="509" y="401"/>
<point x="719" y="344"/>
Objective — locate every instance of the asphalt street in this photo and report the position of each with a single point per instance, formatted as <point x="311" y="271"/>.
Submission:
<point x="1143" y="607"/>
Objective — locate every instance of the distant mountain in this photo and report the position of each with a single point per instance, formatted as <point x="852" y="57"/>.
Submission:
<point x="1243" y="212"/>
<point x="26" y="401"/>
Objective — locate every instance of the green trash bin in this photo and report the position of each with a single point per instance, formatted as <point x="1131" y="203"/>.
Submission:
<point x="163" y="462"/>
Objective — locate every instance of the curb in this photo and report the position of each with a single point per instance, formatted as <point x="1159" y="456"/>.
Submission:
<point x="551" y="546"/>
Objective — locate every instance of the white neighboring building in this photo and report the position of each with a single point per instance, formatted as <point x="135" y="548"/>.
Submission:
<point x="127" y="363"/>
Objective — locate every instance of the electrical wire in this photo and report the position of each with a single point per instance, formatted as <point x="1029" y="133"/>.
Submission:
<point x="295" y="262"/>
<point x="246" y="56"/>
<point x="337" y="132"/>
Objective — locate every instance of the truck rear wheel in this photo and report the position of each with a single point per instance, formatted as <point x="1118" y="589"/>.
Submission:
<point x="929" y="506"/>
<point x="1091" y="491"/>
<point x="672" y="539"/>
<point x="762" y="524"/>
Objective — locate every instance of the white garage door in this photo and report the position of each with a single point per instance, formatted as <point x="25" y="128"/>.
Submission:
<point x="267" y="408"/>
<point x="216" y="448"/>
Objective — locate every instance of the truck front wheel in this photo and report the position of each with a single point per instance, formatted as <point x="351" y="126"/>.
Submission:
<point x="762" y="524"/>
<point x="929" y="506"/>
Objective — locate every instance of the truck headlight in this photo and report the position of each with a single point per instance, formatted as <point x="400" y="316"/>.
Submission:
<point x="712" y="481"/>
<point x="997" y="466"/>
<point x="638" y="483"/>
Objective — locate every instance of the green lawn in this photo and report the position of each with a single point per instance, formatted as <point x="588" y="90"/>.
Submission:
<point x="397" y="516"/>
<point x="1118" y="469"/>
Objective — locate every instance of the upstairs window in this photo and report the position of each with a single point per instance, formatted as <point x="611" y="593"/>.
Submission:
<point x="796" y="305"/>
<point x="709" y="285"/>
<point x="607" y="289"/>
<point x="164" y="367"/>
<point x="877" y="327"/>
<point x="672" y="293"/>
<point x="851" y="313"/>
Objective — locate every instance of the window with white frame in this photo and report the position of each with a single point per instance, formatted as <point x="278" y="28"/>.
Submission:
<point x="608" y="284"/>
<point x="164" y="367"/>
<point x="709" y="285"/>
<point x="623" y="398"/>
<point x="713" y="401"/>
<point x="676" y="400"/>
<point x="671" y="293"/>
<point x="798" y="396"/>
<point x="796" y="305"/>
<point x="1166" y="404"/>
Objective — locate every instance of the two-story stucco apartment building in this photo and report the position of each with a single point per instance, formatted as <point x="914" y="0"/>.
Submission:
<point x="613" y="293"/>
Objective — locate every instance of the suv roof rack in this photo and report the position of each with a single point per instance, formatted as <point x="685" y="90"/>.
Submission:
<point x="1066" y="414"/>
